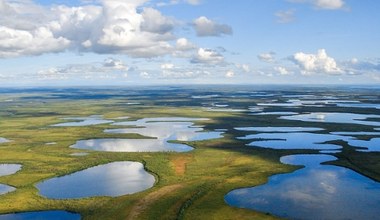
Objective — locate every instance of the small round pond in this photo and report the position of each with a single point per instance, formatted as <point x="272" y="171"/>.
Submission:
<point x="8" y="169"/>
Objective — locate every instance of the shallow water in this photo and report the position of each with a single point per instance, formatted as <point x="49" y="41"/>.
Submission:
<point x="359" y="105"/>
<point x="161" y="130"/>
<point x="130" y="145"/>
<point x="314" y="192"/>
<point x="6" y="189"/>
<point x="83" y="121"/>
<point x="9" y="169"/>
<point x="278" y="129"/>
<point x="3" y="140"/>
<point x="297" y="140"/>
<point x="346" y="118"/>
<point x="275" y="113"/>
<point x="40" y="215"/>
<point x="372" y="145"/>
<point x="112" y="179"/>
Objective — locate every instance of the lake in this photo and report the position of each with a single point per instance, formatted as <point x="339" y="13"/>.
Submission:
<point x="314" y="192"/>
<point x="112" y="179"/>
<point x="40" y="215"/>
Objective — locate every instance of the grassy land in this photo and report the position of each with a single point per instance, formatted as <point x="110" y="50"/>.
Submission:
<point x="189" y="185"/>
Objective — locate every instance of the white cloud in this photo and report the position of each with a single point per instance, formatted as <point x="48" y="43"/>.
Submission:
<point x="329" y="4"/>
<point x="155" y="22"/>
<point x="208" y="56"/>
<point x="206" y="27"/>
<point x="115" y="64"/>
<point x="230" y="74"/>
<point x="167" y="66"/>
<point x="323" y="4"/>
<point x="183" y="44"/>
<point x="281" y="70"/>
<point x="266" y="57"/>
<point x="285" y="16"/>
<point x="109" y="68"/>
<point x="245" y="67"/>
<point x="145" y="75"/>
<point x="41" y="40"/>
<point x="113" y="27"/>
<point x="316" y="63"/>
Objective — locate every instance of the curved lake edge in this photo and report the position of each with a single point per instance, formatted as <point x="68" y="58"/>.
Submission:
<point x="143" y="162"/>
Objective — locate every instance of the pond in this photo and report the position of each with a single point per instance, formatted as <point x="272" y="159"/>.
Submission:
<point x="3" y="140"/>
<point x="8" y="169"/>
<point x="335" y="117"/>
<point x="130" y="145"/>
<point x="112" y="179"/>
<point x="278" y="129"/>
<point x="39" y="215"/>
<point x="275" y="113"/>
<point x="296" y="140"/>
<point x="314" y="192"/>
<point x="160" y="130"/>
<point x="83" y="121"/>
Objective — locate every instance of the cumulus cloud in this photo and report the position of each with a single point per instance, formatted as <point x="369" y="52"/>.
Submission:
<point x="316" y="63"/>
<point x="286" y="16"/>
<point x="266" y="57"/>
<point x="113" y="26"/>
<point x="183" y="44"/>
<point x="155" y="22"/>
<point x="205" y="27"/>
<point x="323" y="4"/>
<point x="281" y="70"/>
<point x="230" y="74"/>
<point x="208" y="56"/>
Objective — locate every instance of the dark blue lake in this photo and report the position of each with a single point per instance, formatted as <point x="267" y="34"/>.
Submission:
<point x="314" y="192"/>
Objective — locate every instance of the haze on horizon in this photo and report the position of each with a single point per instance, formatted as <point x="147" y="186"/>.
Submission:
<point x="131" y="42"/>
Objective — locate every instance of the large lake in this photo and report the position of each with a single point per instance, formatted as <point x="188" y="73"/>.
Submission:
<point x="314" y="192"/>
<point x="160" y="131"/>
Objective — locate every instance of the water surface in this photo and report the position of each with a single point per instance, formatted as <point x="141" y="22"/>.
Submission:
<point x="40" y="215"/>
<point x="112" y="179"/>
<point x="278" y="129"/>
<point x="335" y="117"/>
<point x="9" y="169"/>
<point x="161" y="130"/>
<point x="296" y="140"/>
<point x="83" y="121"/>
<point x="3" y="140"/>
<point x="6" y="189"/>
<point x="130" y="145"/>
<point x="314" y="192"/>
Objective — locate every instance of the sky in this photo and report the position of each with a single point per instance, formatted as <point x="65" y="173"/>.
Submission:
<point x="154" y="42"/>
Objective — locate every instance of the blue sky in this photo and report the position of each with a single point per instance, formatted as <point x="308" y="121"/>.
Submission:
<point x="129" y="42"/>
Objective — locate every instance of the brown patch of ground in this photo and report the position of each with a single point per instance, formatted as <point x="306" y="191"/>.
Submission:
<point x="149" y="199"/>
<point x="179" y="164"/>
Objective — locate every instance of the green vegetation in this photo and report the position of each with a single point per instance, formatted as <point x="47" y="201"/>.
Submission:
<point x="189" y="185"/>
